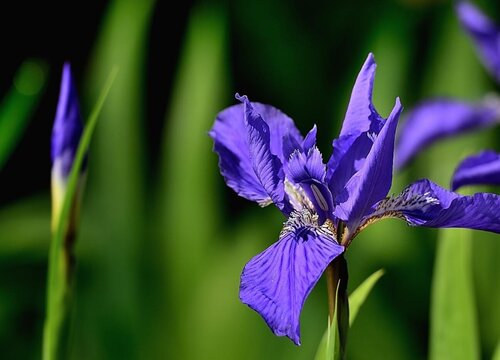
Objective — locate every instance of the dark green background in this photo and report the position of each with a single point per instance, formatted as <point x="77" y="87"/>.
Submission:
<point x="162" y="240"/>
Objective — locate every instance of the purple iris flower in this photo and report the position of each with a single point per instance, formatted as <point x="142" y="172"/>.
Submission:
<point x="67" y="128"/>
<point x="439" y="118"/>
<point x="478" y="169"/>
<point x="264" y="158"/>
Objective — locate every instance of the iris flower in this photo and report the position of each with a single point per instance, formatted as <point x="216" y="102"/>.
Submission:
<point x="264" y="158"/>
<point x="478" y="169"/>
<point x="439" y="118"/>
<point x="66" y="133"/>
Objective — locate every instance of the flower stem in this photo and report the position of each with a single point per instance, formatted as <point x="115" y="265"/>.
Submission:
<point x="332" y="281"/>
<point x="338" y="303"/>
<point x="60" y="288"/>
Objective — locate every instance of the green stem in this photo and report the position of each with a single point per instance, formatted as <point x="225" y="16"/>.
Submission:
<point x="60" y="287"/>
<point x="336" y="279"/>
<point x="332" y="282"/>
<point x="61" y="261"/>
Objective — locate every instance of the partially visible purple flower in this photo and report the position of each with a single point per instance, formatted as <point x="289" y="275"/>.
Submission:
<point x="479" y="169"/>
<point x="66" y="133"/>
<point x="264" y="158"/>
<point x="436" y="119"/>
<point x="484" y="33"/>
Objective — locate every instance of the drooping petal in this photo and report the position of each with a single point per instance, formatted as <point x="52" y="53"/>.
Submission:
<point x="425" y="203"/>
<point x="440" y="118"/>
<point x="308" y="171"/>
<point x="280" y="125"/>
<point x="267" y="166"/>
<point x="373" y="181"/>
<point x="277" y="282"/>
<point x="484" y="33"/>
<point x="361" y="123"/>
<point x="67" y="129"/>
<point x="230" y="134"/>
<point x="479" y="169"/>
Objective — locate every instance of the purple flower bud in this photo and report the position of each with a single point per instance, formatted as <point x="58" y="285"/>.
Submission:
<point x="67" y="128"/>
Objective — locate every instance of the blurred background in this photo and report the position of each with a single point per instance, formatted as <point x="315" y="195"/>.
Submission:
<point x="162" y="240"/>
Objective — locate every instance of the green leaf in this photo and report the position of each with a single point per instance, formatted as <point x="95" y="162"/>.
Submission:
<point x="331" y="336"/>
<point x="118" y="193"/>
<point x="189" y="167"/>
<point x="454" y="332"/>
<point x="358" y="296"/>
<point x="58" y="282"/>
<point x="19" y="104"/>
<point x="189" y="180"/>
<point x="329" y="346"/>
<point x="496" y="354"/>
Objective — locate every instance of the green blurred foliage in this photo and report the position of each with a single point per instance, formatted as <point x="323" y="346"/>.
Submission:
<point x="159" y="257"/>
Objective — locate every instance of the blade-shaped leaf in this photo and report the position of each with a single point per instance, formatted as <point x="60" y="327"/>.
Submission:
<point x="57" y="282"/>
<point x="19" y="104"/>
<point x="496" y="354"/>
<point x="325" y="350"/>
<point x="358" y="296"/>
<point x="329" y="346"/>
<point x="118" y="182"/>
<point x="189" y="168"/>
<point x="454" y="333"/>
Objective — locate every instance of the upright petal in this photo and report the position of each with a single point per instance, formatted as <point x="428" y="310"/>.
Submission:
<point x="440" y="118"/>
<point x="231" y="142"/>
<point x="361" y="123"/>
<point x="479" y="169"/>
<point x="484" y="33"/>
<point x="310" y="139"/>
<point x="373" y="181"/>
<point x="349" y="155"/>
<point x="277" y="282"/>
<point x="361" y="112"/>
<point x="292" y="143"/>
<point x="67" y="128"/>
<point x="425" y="203"/>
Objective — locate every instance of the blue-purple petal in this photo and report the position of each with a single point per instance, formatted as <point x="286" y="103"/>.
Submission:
<point x="361" y="123"/>
<point x="67" y="129"/>
<point x="231" y="133"/>
<point x="280" y="126"/>
<point x="310" y="139"/>
<point x="292" y="143"/>
<point x="305" y="166"/>
<point x="479" y="211"/>
<point x="479" y="169"/>
<point x="277" y="282"/>
<point x="230" y="143"/>
<point x="484" y="33"/>
<point x="348" y="157"/>
<point x="308" y="171"/>
<point x="373" y="181"/>
<point x="360" y="111"/>
<point x="438" y="119"/>
<point x="267" y="166"/>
